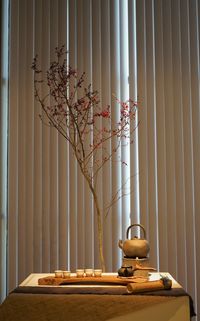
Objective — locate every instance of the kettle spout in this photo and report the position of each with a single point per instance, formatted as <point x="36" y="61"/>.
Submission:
<point x="120" y="244"/>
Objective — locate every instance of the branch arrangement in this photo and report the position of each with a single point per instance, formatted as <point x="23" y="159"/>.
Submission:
<point x="74" y="109"/>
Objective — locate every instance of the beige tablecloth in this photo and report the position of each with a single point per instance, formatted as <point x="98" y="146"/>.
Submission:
<point x="30" y="302"/>
<point x="74" y="307"/>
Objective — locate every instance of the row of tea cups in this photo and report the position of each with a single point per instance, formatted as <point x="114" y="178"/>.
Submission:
<point x="79" y="273"/>
<point x="88" y="272"/>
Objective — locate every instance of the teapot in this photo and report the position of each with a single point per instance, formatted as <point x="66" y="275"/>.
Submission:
<point x="135" y="247"/>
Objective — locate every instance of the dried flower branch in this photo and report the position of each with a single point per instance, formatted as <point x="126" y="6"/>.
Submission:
<point x="74" y="110"/>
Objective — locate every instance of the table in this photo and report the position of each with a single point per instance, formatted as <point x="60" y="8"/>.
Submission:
<point x="41" y="303"/>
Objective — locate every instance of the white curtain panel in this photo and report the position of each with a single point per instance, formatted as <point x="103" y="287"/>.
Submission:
<point x="144" y="49"/>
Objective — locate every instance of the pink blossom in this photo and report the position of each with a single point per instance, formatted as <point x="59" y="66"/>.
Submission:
<point x="105" y="114"/>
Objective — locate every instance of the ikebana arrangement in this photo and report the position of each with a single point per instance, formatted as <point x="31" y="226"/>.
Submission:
<point x="74" y="109"/>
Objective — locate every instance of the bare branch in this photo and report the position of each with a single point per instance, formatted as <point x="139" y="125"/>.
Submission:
<point x="75" y="111"/>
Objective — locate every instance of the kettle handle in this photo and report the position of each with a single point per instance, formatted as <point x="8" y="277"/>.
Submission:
<point x="142" y="227"/>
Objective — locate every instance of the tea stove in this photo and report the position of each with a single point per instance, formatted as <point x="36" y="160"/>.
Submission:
<point x="135" y="262"/>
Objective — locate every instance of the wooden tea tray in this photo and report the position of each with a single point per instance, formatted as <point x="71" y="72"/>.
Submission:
<point x="103" y="280"/>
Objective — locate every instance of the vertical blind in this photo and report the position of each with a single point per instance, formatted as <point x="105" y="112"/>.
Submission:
<point x="143" y="49"/>
<point x="51" y="216"/>
<point x="169" y="150"/>
<point x="3" y="145"/>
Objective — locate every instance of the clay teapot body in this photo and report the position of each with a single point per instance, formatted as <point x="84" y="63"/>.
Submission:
<point x="135" y="247"/>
